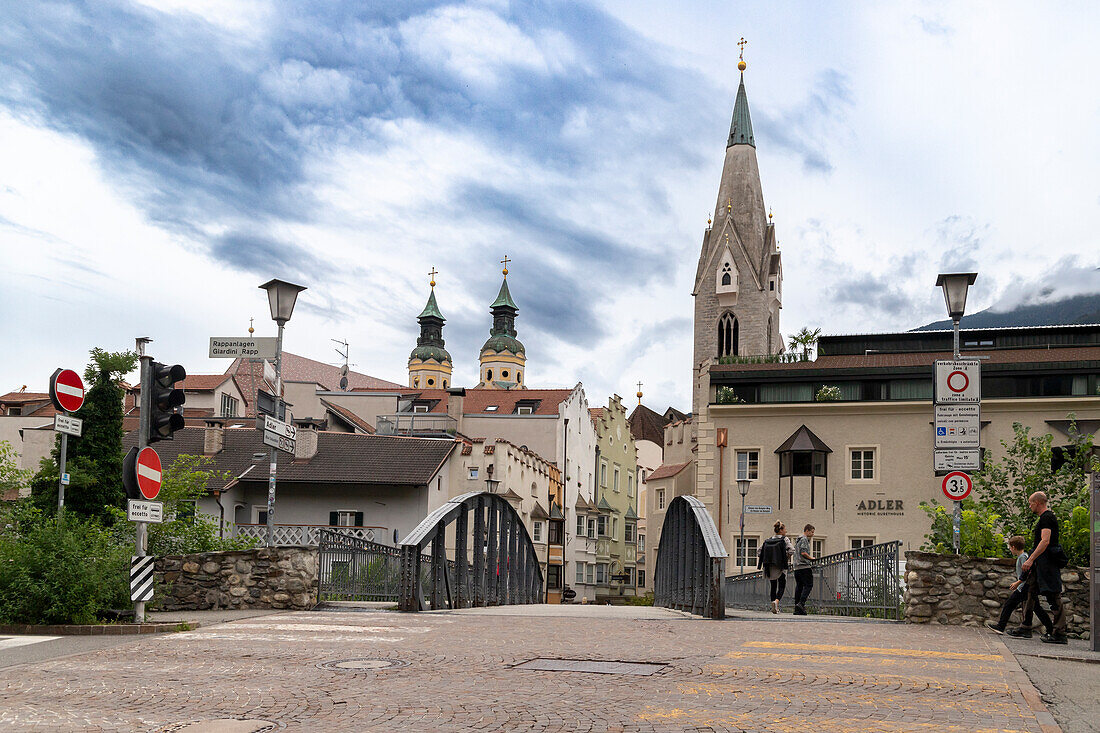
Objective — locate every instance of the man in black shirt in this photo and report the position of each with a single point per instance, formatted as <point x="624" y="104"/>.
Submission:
<point x="1044" y="576"/>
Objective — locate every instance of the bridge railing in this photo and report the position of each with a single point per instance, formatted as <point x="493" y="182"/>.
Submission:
<point x="356" y="569"/>
<point x="504" y="568"/>
<point x="863" y="582"/>
<point x="691" y="561"/>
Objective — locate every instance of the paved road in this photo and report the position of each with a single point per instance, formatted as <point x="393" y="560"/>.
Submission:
<point x="457" y="671"/>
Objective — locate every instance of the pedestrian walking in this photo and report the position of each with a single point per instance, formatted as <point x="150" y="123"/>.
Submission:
<point x="1043" y="571"/>
<point x="775" y="558"/>
<point x="1016" y="546"/>
<point x="803" y="572"/>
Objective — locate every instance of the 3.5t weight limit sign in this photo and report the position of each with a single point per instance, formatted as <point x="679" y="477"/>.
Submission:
<point x="957" y="485"/>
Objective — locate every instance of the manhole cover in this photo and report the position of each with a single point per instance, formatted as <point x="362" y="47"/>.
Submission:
<point x="361" y="664"/>
<point x="221" y="725"/>
<point x="587" y="665"/>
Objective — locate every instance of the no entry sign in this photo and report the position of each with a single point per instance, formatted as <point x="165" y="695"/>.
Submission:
<point x="148" y="473"/>
<point x="957" y="485"/>
<point x="66" y="390"/>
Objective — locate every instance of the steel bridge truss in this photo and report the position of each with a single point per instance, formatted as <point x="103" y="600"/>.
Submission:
<point x="691" y="561"/>
<point x="494" y="563"/>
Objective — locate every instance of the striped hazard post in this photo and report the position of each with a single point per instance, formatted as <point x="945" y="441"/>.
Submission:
<point x="141" y="578"/>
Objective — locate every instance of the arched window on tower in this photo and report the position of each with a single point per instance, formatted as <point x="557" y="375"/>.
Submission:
<point x="728" y="335"/>
<point x="726" y="282"/>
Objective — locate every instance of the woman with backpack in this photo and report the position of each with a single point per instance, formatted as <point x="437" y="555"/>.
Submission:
<point x="775" y="557"/>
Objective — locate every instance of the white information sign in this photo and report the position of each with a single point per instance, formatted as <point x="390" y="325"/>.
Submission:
<point x="278" y="427"/>
<point x="958" y="382"/>
<point x="957" y="426"/>
<point x="245" y="347"/>
<point x="64" y="479"/>
<point x="278" y="442"/>
<point x="67" y="424"/>
<point x="757" y="509"/>
<point x="145" y="511"/>
<point x="957" y="460"/>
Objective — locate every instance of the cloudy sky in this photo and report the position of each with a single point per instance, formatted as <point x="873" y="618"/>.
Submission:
<point x="160" y="159"/>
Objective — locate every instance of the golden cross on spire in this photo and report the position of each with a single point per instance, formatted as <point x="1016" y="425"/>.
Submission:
<point x="505" y="262"/>
<point x="250" y="328"/>
<point x="639" y="393"/>
<point x="432" y="275"/>
<point x="742" y="43"/>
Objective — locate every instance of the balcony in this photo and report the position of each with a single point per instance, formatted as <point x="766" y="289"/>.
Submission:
<point x="420" y="424"/>
<point x="308" y="535"/>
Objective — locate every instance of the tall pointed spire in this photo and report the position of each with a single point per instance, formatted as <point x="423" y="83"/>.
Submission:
<point x="741" y="126"/>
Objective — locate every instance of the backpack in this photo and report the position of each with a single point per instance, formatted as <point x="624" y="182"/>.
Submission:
<point x="774" y="553"/>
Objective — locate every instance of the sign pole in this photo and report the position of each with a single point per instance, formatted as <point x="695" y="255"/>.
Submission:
<point x="143" y="438"/>
<point x="956" y="520"/>
<point x="274" y="450"/>
<point x="1094" y="558"/>
<point x="741" y="558"/>
<point x="61" y="478"/>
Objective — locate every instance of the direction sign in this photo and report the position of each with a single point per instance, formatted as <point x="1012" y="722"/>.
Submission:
<point x="66" y="390"/>
<point x="958" y="381"/>
<point x="956" y="485"/>
<point x="145" y="511"/>
<point x="757" y="509"/>
<point x="957" y="460"/>
<point x="272" y="425"/>
<point x="68" y="425"/>
<point x="246" y="347"/>
<point x="278" y="442"/>
<point x="148" y="473"/>
<point x="957" y="426"/>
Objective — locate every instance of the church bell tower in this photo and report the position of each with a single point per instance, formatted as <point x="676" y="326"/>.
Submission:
<point x="429" y="362"/>
<point x="503" y="358"/>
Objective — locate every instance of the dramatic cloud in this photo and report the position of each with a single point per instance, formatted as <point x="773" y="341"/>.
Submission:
<point x="804" y="129"/>
<point x="1067" y="279"/>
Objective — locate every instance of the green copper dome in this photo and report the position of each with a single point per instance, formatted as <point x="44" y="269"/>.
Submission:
<point x="504" y="298"/>
<point x="503" y="342"/>
<point x="431" y="308"/>
<point x="741" y="126"/>
<point x="430" y="344"/>
<point x="424" y="353"/>
<point x="502" y="334"/>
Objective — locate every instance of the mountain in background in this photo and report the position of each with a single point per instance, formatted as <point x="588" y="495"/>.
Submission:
<point x="1076" y="309"/>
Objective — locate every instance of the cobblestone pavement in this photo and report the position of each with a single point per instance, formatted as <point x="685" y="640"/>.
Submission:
<point x="454" y="672"/>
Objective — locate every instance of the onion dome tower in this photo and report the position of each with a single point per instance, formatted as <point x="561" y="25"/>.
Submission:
<point x="503" y="359"/>
<point x="429" y="362"/>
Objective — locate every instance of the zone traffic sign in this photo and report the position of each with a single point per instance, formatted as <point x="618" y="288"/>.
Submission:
<point x="66" y="390"/>
<point x="957" y="485"/>
<point x="148" y="473"/>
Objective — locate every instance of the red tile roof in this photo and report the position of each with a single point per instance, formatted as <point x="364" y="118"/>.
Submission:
<point x="197" y="383"/>
<point x="350" y="416"/>
<point x="667" y="470"/>
<point x="921" y="358"/>
<point x="17" y="398"/>
<point x="596" y="413"/>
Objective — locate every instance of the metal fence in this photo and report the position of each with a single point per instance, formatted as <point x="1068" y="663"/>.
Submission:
<point x="353" y="569"/>
<point x="306" y="535"/>
<point x="691" y="561"/>
<point x="863" y="582"/>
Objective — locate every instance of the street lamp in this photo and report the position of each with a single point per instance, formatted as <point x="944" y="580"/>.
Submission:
<point x="743" y="489"/>
<point x="954" y="286"/>
<point x="281" y="297"/>
<point x="491" y="485"/>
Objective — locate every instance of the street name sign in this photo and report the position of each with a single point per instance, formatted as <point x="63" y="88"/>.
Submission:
<point x="956" y="485"/>
<point x="280" y="428"/>
<point x="66" y="390"/>
<point x="68" y="425"/>
<point x="757" y="509"/>
<point x="958" y="381"/>
<point x="145" y="511"/>
<point x="957" y="460"/>
<point x="148" y="473"/>
<point x="957" y="426"/>
<point x="278" y="442"/>
<point x="246" y="347"/>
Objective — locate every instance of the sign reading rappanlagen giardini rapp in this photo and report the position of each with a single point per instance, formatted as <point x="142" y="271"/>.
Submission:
<point x="245" y="347"/>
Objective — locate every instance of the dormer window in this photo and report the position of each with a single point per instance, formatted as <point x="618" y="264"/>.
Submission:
<point x="726" y="282"/>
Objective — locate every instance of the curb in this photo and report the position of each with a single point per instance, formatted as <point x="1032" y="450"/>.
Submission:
<point x="1061" y="658"/>
<point x="97" y="629"/>
<point x="1047" y="723"/>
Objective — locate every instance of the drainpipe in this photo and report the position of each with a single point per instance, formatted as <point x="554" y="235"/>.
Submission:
<point x="221" y="515"/>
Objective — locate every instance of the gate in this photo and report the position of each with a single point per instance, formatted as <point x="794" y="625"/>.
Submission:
<point x="863" y="582"/>
<point x="691" y="561"/>
<point x="505" y="568"/>
<point x="353" y="569"/>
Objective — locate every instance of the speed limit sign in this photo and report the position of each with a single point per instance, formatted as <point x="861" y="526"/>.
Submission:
<point x="957" y="485"/>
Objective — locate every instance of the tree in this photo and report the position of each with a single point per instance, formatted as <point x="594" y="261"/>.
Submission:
<point x="94" y="459"/>
<point x="804" y="340"/>
<point x="979" y="530"/>
<point x="13" y="479"/>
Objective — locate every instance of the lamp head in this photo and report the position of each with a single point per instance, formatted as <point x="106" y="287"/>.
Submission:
<point x="954" y="286"/>
<point x="281" y="297"/>
<point x="743" y="486"/>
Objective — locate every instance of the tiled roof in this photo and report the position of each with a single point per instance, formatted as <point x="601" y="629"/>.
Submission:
<point x="645" y="424"/>
<point x="667" y="470"/>
<point x="300" y="369"/>
<point x="196" y="383"/>
<point x="17" y="398"/>
<point x="921" y="358"/>
<point x="596" y="413"/>
<point x="349" y="416"/>
<point x="478" y="401"/>
<point x="345" y="458"/>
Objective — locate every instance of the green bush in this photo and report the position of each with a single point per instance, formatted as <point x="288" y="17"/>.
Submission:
<point x="980" y="534"/>
<point x="66" y="572"/>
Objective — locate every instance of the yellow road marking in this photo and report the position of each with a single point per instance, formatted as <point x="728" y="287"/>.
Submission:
<point x="872" y="650"/>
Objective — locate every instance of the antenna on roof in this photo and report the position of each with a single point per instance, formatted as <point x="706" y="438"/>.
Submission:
<point x="344" y="369"/>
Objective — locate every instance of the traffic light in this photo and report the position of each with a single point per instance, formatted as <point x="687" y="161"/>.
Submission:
<point x="165" y="401"/>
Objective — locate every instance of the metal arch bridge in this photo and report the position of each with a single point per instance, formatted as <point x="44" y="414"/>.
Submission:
<point x="691" y="561"/>
<point x="505" y="568"/>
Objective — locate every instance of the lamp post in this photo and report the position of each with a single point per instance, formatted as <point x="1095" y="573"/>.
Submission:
<point x="955" y="285"/>
<point x="743" y="489"/>
<point x="281" y="297"/>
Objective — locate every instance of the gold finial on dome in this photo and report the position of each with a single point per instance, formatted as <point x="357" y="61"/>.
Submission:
<point x="741" y="63"/>
<point x="250" y="329"/>
<point x="505" y="262"/>
<point x="432" y="275"/>
<point x="770" y="213"/>
<point x="639" y="393"/>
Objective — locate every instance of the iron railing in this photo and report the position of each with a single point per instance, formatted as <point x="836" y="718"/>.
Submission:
<point x="416" y="423"/>
<point x="863" y="582"/>
<point x="307" y="535"/>
<point x="354" y="569"/>
<point x="691" y="561"/>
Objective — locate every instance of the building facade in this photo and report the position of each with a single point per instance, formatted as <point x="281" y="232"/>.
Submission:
<point x="616" y="500"/>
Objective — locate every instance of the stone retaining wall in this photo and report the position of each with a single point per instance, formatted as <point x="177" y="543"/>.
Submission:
<point x="281" y="577"/>
<point x="967" y="591"/>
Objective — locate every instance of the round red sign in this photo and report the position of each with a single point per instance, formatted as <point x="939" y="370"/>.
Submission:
<point x="957" y="384"/>
<point x="67" y="390"/>
<point x="148" y="473"/>
<point x="957" y="485"/>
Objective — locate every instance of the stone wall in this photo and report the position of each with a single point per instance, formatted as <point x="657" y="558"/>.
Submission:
<point x="283" y="577"/>
<point x="967" y="591"/>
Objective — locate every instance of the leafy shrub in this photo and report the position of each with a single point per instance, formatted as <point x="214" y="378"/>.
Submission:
<point x="827" y="393"/>
<point x="980" y="533"/>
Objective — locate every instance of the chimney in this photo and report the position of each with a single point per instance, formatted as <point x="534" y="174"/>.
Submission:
<point x="213" y="440"/>
<point x="456" y="397"/>
<point x="305" y="445"/>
